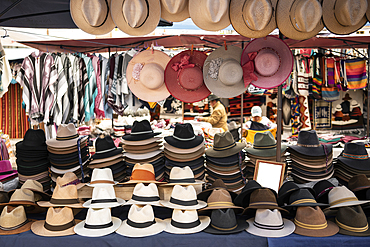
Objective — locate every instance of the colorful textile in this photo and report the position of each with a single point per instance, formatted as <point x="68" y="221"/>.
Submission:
<point x="355" y="70"/>
<point x="330" y="79"/>
<point x="295" y="116"/>
<point x="304" y="113"/>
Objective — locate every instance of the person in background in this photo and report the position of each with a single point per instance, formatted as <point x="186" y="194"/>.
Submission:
<point x="259" y="122"/>
<point x="218" y="118"/>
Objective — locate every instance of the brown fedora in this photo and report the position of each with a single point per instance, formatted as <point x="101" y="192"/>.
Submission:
<point x="217" y="184"/>
<point x="13" y="220"/>
<point x="130" y="148"/>
<point x="264" y="199"/>
<point x="185" y="156"/>
<point x="352" y="221"/>
<point x="37" y="189"/>
<point x="182" y="159"/>
<point x="359" y="182"/>
<point x="220" y="199"/>
<point x="63" y="196"/>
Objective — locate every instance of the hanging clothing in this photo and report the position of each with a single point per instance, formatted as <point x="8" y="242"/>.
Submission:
<point x="82" y="88"/>
<point x="90" y="90"/>
<point x="104" y="69"/>
<point x="62" y="106"/>
<point x="96" y="65"/>
<point x="5" y="72"/>
<point x="75" y="70"/>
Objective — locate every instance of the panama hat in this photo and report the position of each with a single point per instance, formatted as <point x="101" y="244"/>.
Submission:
<point x="143" y="195"/>
<point x="23" y="197"/>
<point x="186" y="222"/>
<point x="105" y="148"/>
<point x="184" y="198"/>
<point x="175" y="10"/>
<point x="142" y="173"/>
<point x="104" y="197"/>
<point x="184" y="76"/>
<point x="270" y="62"/>
<point x="184" y="137"/>
<point x="136" y="17"/>
<point x="352" y="221"/>
<point x="224" y="145"/>
<point x="66" y="136"/>
<point x="141" y="130"/>
<point x="145" y="75"/>
<point x="341" y="196"/>
<point x="36" y="187"/>
<point x="63" y="197"/>
<point x="33" y="140"/>
<point x="141" y="222"/>
<point x="344" y="16"/>
<point x="102" y="177"/>
<point x="222" y="72"/>
<point x="225" y="222"/>
<point x="253" y="18"/>
<point x="98" y="223"/>
<point x="13" y="220"/>
<point x="59" y="222"/>
<point x="69" y="178"/>
<point x="182" y="176"/>
<point x="220" y="199"/>
<point x="299" y="19"/>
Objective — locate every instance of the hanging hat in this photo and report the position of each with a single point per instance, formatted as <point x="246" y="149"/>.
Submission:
<point x="341" y="196"/>
<point x="33" y="140"/>
<point x="267" y="62"/>
<point x="222" y="72"/>
<point x="225" y="222"/>
<point x="286" y="190"/>
<point x="37" y="189"/>
<point x="217" y="184"/>
<point x="299" y="19"/>
<point x="355" y="156"/>
<point x="105" y="148"/>
<point x="308" y="144"/>
<point x="352" y="221"/>
<point x="301" y="198"/>
<point x="98" y="223"/>
<point x="13" y="220"/>
<point x="184" y="76"/>
<point x="63" y="197"/>
<point x="263" y="199"/>
<point x="175" y="11"/>
<point x="220" y="199"/>
<point x="66" y="136"/>
<point x="344" y="16"/>
<point x="141" y="222"/>
<point x="269" y="223"/>
<point x="69" y="178"/>
<point x="59" y="222"/>
<point x="136" y="17"/>
<point x="144" y="195"/>
<point x="141" y="130"/>
<point x="264" y="145"/>
<point x="104" y="197"/>
<point x="243" y="198"/>
<point x="322" y="189"/>
<point x="142" y="173"/>
<point x="184" y="198"/>
<point x="145" y="75"/>
<point x="182" y="176"/>
<point x="210" y="16"/>
<point x="253" y="18"/>
<point x="184" y="137"/>
<point x="6" y="170"/>
<point x="186" y="222"/>
<point x="92" y="17"/>
<point x="224" y="145"/>
<point x="311" y="222"/>
<point x="102" y="177"/>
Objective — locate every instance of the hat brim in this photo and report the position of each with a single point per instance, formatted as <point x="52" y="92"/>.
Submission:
<point x="89" y="204"/>
<point x="39" y="229"/>
<point x="312" y="151"/>
<point x="184" y="184"/>
<point x="237" y="208"/>
<point x="183" y="146"/>
<point x="107" y="164"/>
<point x="113" y="153"/>
<point x="203" y="196"/>
<point x="63" y="144"/>
<point x="183" y="159"/>
<point x="225" y="161"/>
<point x="98" y="161"/>
<point x="82" y="231"/>
<point x="142" y="142"/>
<point x="102" y="184"/>
<point x="133" y="151"/>
<point x="183" y="164"/>
<point x="330" y="230"/>
<point x="185" y="156"/>
<point x="362" y="165"/>
<point x="350" y="203"/>
<point x="265" y="152"/>
<point x="306" y="204"/>
<point x="142" y="181"/>
<point x="201" y="204"/>
<point x="241" y="226"/>
<point x="129" y="231"/>
<point x="21" y="229"/>
<point x="229" y="152"/>
<point x="140" y="137"/>
<point x="143" y="156"/>
<point x="15" y="172"/>
<point x="356" y="234"/>
<point x="60" y="172"/>
<point x="252" y="208"/>
<point x="204" y="223"/>
<point x="20" y="146"/>
<point x="47" y="204"/>
<point x="131" y="202"/>
<point x="288" y="229"/>
<point x="175" y="17"/>
<point x="141" y="147"/>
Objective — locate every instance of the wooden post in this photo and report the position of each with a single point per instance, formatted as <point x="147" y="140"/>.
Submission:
<point x="241" y="115"/>
<point x="279" y="117"/>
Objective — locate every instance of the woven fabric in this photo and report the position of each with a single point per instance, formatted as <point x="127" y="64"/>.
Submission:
<point x="304" y="113"/>
<point x="356" y="73"/>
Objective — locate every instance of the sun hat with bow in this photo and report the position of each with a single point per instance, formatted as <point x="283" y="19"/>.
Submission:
<point x="67" y="136"/>
<point x="141" y="130"/>
<point x="352" y="221"/>
<point x="104" y="197"/>
<point x="341" y="196"/>
<point x="102" y="177"/>
<point x="184" y="198"/>
<point x="267" y="62"/>
<point x="225" y="222"/>
<point x="224" y="145"/>
<point x="13" y="220"/>
<point x="105" y="148"/>
<point x="144" y="195"/>
<point x="63" y="197"/>
<point x="186" y="222"/>
<point x="175" y="11"/>
<point x="184" y="137"/>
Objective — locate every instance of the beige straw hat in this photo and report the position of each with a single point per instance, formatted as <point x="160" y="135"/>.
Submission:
<point x="13" y="220"/>
<point x="174" y="10"/>
<point x="63" y="196"/>
<point x="69" y="178"/>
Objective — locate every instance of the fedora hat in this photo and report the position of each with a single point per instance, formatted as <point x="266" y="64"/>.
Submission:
<point x="341" y="196"/>
<point x="286" y="190"/>
<point x="104" y="197"/>
<point x="145" y="75"/>
<point x="358" y="183"/>
<point x="69" y="178"/>
<point x="311" y="222"/>
<point x="23" y="197"/>
<point x="33" y="140"/>
<point x="105" y="148"/>
<point x="188" y="156"/>
<point x="66" y="136"/>
<point x="270" y="62"/>
<point x="269" y="223"/>
<point x="186" y="222"/>
<point x="355" y="156"/>
<point x="182" y="176"/>
<point x="226" y="161"/>
<point x="184" y="138"/>
<point x="184" y="76"/>
<point x="222" y="72"/>
<point x="184" y="198"/>
<point x="173" y="149"/>
<point x="263" y="198"/>
<point x="101" y="177"/>
<point x="308" y="144"/>
<point x="63" y="197"/>
<point x="141" y="148"/>
<point x="59" y="222"/>
<point x="264" y="145"/>
<point x="299" y="19"/>
<point x="225" y="222"/>
<point x="141" y="222"/>
<point x="322" y="189"/>
<point x="224" y="145"/>
<point x="143" y="156"/>
<point x="13" y="220"/>
<point x="175" y="10"/>
<point x="253" y="18"/>
<point x="178" y="158"/>
<point x="36" y="187"/>
<point x="141" y="130"/>
<point x="344" y="16"/>
<point x="243" y="198"/>
<point x="98" y="223"/>
<point x="220" y="199"/>
<point x="6" y="170"/>
<point x="142" y="142"/>
<point x="352" y="221"/>
<point x="217" y="184"/>
<point x="142" y="173"/>
<point x="144" y="195"/>
<point x="301" y="198"/>
<point x="136" y="17"/>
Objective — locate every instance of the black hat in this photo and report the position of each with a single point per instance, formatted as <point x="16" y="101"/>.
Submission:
<point x="243" y="198"/>
<point x="4" y="197"/>
<point x="308" y="144"/>
<point x="140" y="131"/>
<point x="355" y="155"/>
<point x="322" y="189"/>
<point x="258" y="126"/>
<point x="184" y="137"/>
<point x="226" y="161"/>
<point x="225" y="222"/>
<point x="34" y="140"/>
<point x="286" y="190"/>
<point x="105" y="148"/>
<point x="303" y="197"/>
<point x="352" y="221"/>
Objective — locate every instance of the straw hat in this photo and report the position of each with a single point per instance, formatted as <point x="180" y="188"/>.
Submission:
<point x="63" y="196"/>
<point x="341" y="196"/>
<point x="69" y="178"/>
<point x="144" y="195"/>
<point x="344" y="16"/>
<point x="253" y="18"/>
<point x="13" y="220"/>
<point x="104" y="197"/>
<point x="102" y="177"/>
<point x="184" y="198"/>
<point x="299" y="19"/>
<point x="186" y="222"/>
<point x="92" y="17"/>
<point x="175" y="10"/>
<point x="37" y="189"/>
<point x="22" y="197"/>
<point x="136" y="17"/>
<point x="145" y="75"/>
<point x="142" y="173"/>
<point x="182" y="176"/>
<point x="66" y="136"/>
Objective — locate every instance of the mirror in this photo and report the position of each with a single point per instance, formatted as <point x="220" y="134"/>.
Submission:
<point x="269" y="174"/>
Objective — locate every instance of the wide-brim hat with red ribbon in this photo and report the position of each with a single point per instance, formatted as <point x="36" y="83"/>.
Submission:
<point x="184" y="76"/>
<point x="267" y="62"/>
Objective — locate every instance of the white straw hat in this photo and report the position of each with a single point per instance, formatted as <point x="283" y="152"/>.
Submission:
<point x="104" y="197"/>
<point x="341" y="196"/>
<point x="186" y="222"/>
<point x="144" y="195"/>
<point x="182" y="176"/>
<point x="184" y="198"/>
<point x="101" y="177"/>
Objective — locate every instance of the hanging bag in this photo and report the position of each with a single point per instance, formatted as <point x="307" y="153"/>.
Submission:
<point x="329" y="94"/>
<point x="316" y="79"/>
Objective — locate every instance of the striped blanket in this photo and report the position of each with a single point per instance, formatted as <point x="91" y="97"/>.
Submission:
<point x="356" y="73"/>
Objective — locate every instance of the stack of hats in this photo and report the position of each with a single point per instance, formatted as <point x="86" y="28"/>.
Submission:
<point x="309" y="160"/>
<point x="225" y="160"/>
<point x="141" y="146"/>
<point x="264" y="148"/>
<point x="353" y="161"/>
<point x="107" y="155"/>
<point x="6" y="171"/>
<point x="184" y="148"/>
<point x="68" y="153"/>
<point x="32" y="158"/>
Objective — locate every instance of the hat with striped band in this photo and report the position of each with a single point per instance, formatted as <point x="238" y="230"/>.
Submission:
<point x="355" y="156"/>
<point x="67" y="136"/>
<point x="184" y="137"/>
<point x="352" y="221"/>
<point x="184" y="198"/>
<point x="63" y="197"/>
<point x="186" y="222"/>
<point x="141" y="130"/>
<point x="341" y="196"/>
<point x="264" y="145"/>
<point x="263" y="198"/>
<point x="220" y="199"/>
<point x="225" y="222"/>
<point x="104" y="197"/>
<point x="224" y="146"/>
<point x="182" y="176"/>
<point x="303" y="197"/>
<point x="13" y="220"/>
<point x="144" y="195"/>
<point x="308" y="144"/>
<point x="105" y="148"/>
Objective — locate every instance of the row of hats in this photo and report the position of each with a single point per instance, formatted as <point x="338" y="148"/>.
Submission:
<point x="252" y="18"/>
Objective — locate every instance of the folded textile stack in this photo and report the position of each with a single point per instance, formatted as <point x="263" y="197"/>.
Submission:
<point x="107" y="155"/>
<point x="184" y="148"/>
<point x="309" y="160"/>
<point x="225" y="160"/>
<point x="330" y="138"/>
<point x="141" y="146"/>
<point x="32" y="158"/>
<point x="6" y="171"/>
<point x="264" y="148"/>
<point x="119" y="130"/>
<point x="84" y="130"/>
<point x="68" y="153"/>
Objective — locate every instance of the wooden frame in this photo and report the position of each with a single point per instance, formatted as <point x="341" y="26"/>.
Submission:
<point x="263" y="170"/>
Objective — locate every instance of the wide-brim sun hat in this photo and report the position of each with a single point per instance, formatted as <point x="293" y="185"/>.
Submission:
<point x="174" y="11"/>
<point x="67" y="136"/>
<point x="86" y="232"/>
<point x="267" y="233"/>
<point x="204" y="223"/>
<point x="134" y="232"/>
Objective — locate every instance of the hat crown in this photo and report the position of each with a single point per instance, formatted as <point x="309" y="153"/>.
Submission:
<point x="104" y="144"/>
<point x="59" y="216"/>
<point x="184" y="193"/>
<point x="146" y="167"/>
<point x="152" y="75"/>
<point x="310" y="216"/>
<point x="358" y="182"/>
<point x="301" y="194"/>
<point x="263" y="195"/>
<point x="33" y="185"/>
<point x="306" y="14"/>
<point x="230" y="72"/>
<point x="264" y="139"/>
<point x="251" y="184"/>
<point x="220" y="195"/>
<point x="102" y="174"/>
<point x="268" y="217"/>
<point x="141" y="214"/>
<point x="22" y="195"/>
<point x="67" y="178"/>
<point x="181" y="173"/>
<point x="67" y="192"/>
<point x="353" y="217"/>
<point x="267" y="62"/>
<point x="338" y="194"/>
<point x="5" y="166"/>
<point x="146" y="191"/>
<point x="184" y="216"/>
<point x="286" y="187"/>
<point x="106" y="192"/>
<point x="215" y="10"/>
<point x="141" y="127"/>
<point x="308" y="137"/>
<point x="217" y="184"/>
<point x="183" y="131"/>
<point x="4" y="198"/>
<point x="174" y="6"/>
<point x="257" y="14"/>
<point x="100" y="216"/>
<point x="224" y="219"/>
<point x="351" y="149"/>
<point x="34" y="137"/>
<point x="66" y="132"/>
<point x="223" y="140"/>
<point x="135" y="12"/>
<point x="12" y="217"/>
<point x="191" y="78"/>
<point x="350" y="12"/>
<point x="321" y="187"/>
<point x="94" y="11"/>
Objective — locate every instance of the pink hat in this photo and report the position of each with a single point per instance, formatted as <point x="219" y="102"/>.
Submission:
<point x="6" y="169"/>
<point x="267" y="62"/>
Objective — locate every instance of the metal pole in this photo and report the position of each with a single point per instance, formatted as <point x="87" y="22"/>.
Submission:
<point x="368" y="91"/>
<point x="279" y="117"/>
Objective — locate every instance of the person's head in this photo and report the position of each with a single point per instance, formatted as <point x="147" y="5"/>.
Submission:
<point x="213" y="99"/>
<point x="256" y="111"/>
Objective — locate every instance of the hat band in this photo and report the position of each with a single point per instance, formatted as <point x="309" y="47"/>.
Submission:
<point x="220" y="204"/>
<point x="224" y="229"/>
<point x="74" y="182"/>
<point x="102" y="182"/>
<point x="66" y="138"/>
<point x="303" y="201"/>
<point x="140" y="225"/>
<point x="145" y="198"/>
<point x="141" y="132"/>
<point x="105" y="151"/>
<point x="64" y="201"/>
<point x="264" y="147"/>
<point x="184" y="180"/>
<point x="184" y="203"/>
<point x="59" y="228"/>
<point x="6" y="172"/>
<point x="351" y="228"/>
<point x="348" y="199"/>
<point x="225" y="147"/>
<point x="263" y="203"/>
<point x="268" y="227"/>
<point x="142" y="175"/>
<point x="184" y="139"/>
<point x="310" y="226"/>
<point x="308" y="146"/>
<point x="322" y="192"/>
<point x="104" y="200"/>
<point x="14" y="227"/>
<point x="356" y="156"/>
<point x="185" y="225"/>
<point x="102" y="226"/>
